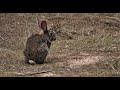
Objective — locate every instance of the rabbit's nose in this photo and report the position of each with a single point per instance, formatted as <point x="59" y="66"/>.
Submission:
<point x="54" y="39"/>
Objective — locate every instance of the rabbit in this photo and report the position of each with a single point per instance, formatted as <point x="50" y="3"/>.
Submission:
<point x="37" y="45"/>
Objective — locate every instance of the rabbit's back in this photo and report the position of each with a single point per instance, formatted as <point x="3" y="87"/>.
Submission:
<point x="36" y="46"/>
<point x="34" y="41"/>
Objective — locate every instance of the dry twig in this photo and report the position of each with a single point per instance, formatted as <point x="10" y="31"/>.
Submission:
<point x="28" y="73"/>
<point x="2" y="38"/>
<point x="114" y="18"/>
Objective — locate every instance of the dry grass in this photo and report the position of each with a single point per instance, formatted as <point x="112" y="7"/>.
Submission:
<point x="87" y="44"/>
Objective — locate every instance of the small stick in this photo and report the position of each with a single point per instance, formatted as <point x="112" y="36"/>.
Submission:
<point x="114" y="68"/>
<point x="29" y="73"/>
<point x="2" y="38"/>
<point x="114" y="18"/>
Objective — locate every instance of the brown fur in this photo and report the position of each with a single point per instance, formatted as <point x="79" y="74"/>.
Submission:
<point x="37" y="45"/>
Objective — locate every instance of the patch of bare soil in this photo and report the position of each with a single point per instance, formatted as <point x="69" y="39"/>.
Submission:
<point x="59" y="65"/>
<point x="74" y="64"/>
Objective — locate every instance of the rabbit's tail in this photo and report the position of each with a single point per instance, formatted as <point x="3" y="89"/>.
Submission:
<point x="32" y="62"/>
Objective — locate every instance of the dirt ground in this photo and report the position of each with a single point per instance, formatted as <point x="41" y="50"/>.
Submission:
<point x="87" y="45"/>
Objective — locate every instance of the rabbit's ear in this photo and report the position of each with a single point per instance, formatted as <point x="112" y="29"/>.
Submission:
<point x="43" y="25"/>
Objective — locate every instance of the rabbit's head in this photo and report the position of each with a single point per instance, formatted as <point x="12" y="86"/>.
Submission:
<point x="49" y="34"/>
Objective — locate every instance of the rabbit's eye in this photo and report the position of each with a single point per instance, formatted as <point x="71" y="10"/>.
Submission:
<point x="50" y="34"/>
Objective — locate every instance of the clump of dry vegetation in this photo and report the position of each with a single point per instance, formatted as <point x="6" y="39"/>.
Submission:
<point x="87" y="44"/>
